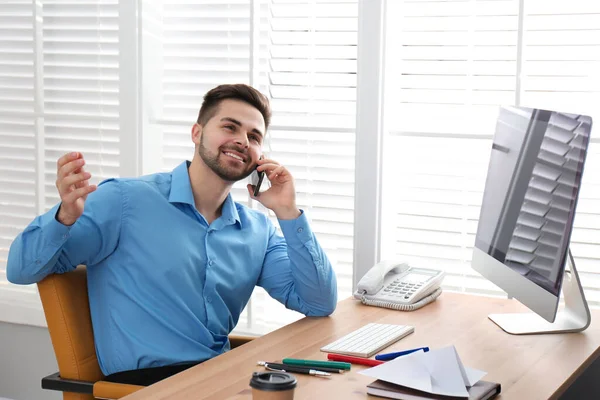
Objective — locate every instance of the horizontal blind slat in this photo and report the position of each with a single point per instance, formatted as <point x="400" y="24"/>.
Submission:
<point x="80" y="81"/>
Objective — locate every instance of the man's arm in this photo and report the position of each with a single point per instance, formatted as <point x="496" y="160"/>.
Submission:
<point x="66" y="236"/>
<point x="46" y="246"/>
<point x="296" y="270"/>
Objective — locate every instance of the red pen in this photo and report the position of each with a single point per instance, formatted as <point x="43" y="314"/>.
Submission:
<point x="354" y="360"/>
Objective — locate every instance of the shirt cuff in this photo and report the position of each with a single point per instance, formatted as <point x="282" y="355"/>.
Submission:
<point x="54" y="231"/>
<point x="296" y="230"/>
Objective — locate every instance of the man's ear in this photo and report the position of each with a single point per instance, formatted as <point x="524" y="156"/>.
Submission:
<point x="196" y="133"/>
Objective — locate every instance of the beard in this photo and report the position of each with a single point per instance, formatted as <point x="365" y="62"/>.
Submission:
<point x="219" y="167"/>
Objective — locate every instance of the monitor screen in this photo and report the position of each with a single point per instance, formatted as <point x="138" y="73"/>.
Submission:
<point x="531" y="192"/>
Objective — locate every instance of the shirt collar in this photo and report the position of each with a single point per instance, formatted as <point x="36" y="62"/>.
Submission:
<point x="181" y="189"/>
<point x="181" y="192"/>
<point x="230" y="213"/>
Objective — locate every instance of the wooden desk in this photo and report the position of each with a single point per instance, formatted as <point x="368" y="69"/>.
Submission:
<point x="528" y="367"/>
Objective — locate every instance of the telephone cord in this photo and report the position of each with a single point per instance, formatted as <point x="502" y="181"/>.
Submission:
<point x="403" y="307"/>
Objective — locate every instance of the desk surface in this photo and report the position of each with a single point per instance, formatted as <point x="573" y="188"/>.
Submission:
<point x="528" y="367"/>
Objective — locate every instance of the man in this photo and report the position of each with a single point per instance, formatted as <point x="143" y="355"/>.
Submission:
<point x="172" y="260"/>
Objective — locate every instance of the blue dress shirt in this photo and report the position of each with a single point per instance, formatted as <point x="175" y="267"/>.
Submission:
<point x="165" y="287"/>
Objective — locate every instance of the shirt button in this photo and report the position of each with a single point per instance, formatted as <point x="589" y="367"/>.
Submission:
<point x="300" y="230"/>
<point x="38" y="262"/>
<point x="65" y="236"/>
<point x="211" y="262"/>
<point x="209" y="299"/>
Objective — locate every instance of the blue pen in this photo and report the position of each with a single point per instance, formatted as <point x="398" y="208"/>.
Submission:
<point x="391" y="356"/>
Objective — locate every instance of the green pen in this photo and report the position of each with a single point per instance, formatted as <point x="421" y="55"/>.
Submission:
<point x="317" y="363"/>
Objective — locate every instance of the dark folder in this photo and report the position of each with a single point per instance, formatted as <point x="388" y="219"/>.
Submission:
<point x="482" y="390"/>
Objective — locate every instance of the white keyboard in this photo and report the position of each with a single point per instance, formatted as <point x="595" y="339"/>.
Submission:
<point x="368" y="340"/>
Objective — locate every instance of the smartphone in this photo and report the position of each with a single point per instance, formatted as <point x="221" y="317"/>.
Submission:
<point x="257" y="179"/>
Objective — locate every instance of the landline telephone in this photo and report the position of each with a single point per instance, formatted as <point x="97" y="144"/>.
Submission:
<point x="397" y="285"/>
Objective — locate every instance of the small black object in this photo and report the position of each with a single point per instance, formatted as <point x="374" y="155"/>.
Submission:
<point x="272" y="381"/>
<point x="261" y="176"/>
<point x="55" y="382"/>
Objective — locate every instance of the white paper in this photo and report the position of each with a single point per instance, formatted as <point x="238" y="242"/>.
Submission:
<point x="438" y="371"/>
<point x="470" y="375"/>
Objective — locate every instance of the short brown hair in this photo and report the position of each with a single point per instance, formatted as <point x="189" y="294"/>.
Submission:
<point x="238" y="91"/>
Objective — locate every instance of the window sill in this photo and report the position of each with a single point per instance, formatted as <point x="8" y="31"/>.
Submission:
<point x="25" y="312"/>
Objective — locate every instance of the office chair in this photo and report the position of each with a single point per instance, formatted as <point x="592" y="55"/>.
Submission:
<point x="66" y="306"/>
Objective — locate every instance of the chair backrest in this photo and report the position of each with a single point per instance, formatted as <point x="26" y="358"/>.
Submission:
<point x="67" y="309"/>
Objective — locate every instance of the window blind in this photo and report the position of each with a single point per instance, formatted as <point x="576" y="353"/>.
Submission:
<point x="18" y="177"/>
<point x="80" y="88"/>
<point x="197" y="45"/>
<point x="58" y="92"/>
<point x="450" y="65"/>
<point x="312" y="84"/>
<point x="303" y="57"/>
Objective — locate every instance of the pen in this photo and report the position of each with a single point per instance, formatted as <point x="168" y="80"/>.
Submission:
<point x="317" y="364"/>
<point x="324" y="369"/>
<point x="355" y="360"/>
<point x="292" y="368"/>
<point x="391" y="356"/>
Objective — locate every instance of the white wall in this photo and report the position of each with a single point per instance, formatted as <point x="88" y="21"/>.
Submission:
<point x="26" y="356"/>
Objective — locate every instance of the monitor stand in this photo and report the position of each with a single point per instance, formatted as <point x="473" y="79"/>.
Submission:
<point x="575" y="317"/>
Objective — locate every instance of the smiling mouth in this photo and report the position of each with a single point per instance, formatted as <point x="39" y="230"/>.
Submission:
<point x="234" y="156"/>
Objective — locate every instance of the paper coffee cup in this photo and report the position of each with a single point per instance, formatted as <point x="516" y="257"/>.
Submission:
<point x="271" y="385"/>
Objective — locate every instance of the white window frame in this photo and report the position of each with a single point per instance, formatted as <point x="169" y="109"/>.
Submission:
<point x="369" y="136"/>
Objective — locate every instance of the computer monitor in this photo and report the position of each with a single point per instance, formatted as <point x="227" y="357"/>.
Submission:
<point x="526" y="219"/>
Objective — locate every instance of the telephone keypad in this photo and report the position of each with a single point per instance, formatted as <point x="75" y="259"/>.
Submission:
<point x="400" y="289"/>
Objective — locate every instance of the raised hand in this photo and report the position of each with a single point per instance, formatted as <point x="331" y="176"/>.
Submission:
<point x="73" y="187"/>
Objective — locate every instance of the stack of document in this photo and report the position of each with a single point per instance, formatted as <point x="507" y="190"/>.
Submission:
<point x="437" y="374"/>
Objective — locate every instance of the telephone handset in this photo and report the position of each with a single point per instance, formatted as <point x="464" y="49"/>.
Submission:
<point x="396" y="285"/>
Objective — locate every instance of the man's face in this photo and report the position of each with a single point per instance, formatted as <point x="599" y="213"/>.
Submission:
<point x="231" y="141"/>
